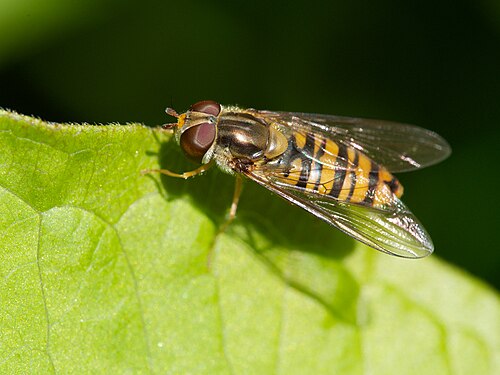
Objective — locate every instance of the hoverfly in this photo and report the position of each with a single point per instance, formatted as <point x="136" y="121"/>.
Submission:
<point x="336" y="168"/>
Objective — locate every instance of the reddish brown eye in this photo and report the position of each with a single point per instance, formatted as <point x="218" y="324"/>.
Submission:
<point x="206" y="106"/>
<point x="196" y="140"/>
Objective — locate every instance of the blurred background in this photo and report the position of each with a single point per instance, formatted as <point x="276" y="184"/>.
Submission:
<point x="435" y="64"/>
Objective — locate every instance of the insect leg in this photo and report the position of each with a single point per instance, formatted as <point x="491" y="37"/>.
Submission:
<point x="232" y="214"/>
<point x="234" y="205"/>
<point x="184" y="175"/>
<point x="236" y="198"/>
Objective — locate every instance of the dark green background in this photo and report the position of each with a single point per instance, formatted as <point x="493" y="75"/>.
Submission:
<point x="431" y="63"/>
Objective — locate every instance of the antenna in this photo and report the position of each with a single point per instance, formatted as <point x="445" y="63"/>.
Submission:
<point x="171" y="112"/>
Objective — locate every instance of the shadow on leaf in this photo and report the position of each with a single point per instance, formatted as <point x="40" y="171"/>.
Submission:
<point x="302" y="250"/>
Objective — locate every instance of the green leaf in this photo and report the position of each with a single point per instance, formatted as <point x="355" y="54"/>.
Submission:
<point x="105" y="270"/>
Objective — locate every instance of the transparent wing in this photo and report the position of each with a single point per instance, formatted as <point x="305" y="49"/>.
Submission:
<point x="398" y="147"/>
<point x="394" y="230"/>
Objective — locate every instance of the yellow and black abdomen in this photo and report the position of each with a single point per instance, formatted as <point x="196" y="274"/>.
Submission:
<point x="321" y="165"/>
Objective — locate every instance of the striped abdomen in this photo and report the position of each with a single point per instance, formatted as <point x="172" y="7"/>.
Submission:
<point x="319" y="164"/>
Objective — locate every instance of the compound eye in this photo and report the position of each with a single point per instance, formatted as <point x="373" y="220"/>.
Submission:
<point x="196" y="140"/>
<point x="206" y="106"/>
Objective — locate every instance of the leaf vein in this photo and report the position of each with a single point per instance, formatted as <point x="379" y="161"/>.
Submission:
<point x="139" y="301"/>
<point x="44" y="298"/>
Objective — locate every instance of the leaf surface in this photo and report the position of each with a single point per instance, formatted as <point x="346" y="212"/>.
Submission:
<point x="104" y="270"/>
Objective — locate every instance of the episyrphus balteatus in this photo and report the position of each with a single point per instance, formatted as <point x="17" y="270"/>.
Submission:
<point x="336" y="168"/>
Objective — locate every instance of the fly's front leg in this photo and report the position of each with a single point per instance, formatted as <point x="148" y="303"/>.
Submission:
<point x="184" y="175"/>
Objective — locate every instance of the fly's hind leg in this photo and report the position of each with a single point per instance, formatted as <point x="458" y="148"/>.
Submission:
<point x="232" y="214"/>
<point x="184" y="175"/>
<point x="234" y="204"/>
